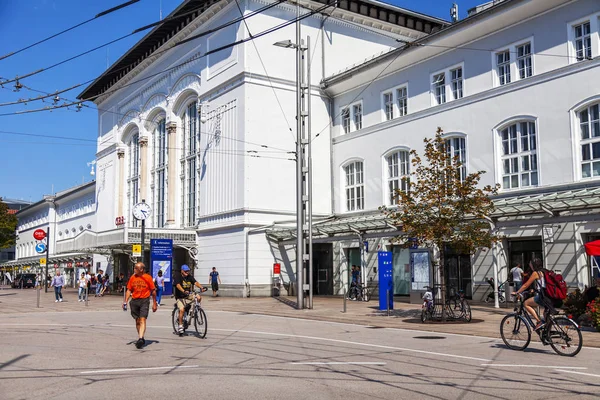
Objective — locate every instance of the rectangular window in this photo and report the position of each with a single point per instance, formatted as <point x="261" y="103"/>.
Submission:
<point x="456" y="77"/>
<point x="402" y="100"/>
<point x="134" y="174"/>
<point x="583" y="41"/>
<point x="357" y="116"/>
<point x="346" y="120"/>
<point x="589" y="124"/>
<point x="188" y="163"/>
<point x="388" y="105"/>
<point x="355" y="197"/>
<point x="503" y="67"/>
<point x="457" y="150"/>
<point x="397" y="174"/>
<point x="519" y="156"/>
<point x="439" y="88"/>
<point x="159" y="172"/>
<point x="524" y="61"/>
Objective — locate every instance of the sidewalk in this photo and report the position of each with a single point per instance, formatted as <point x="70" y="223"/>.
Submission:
<point x="485" y="322"/>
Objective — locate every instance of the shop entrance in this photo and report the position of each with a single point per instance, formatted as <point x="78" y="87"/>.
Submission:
<point x="523" y="252"/>
<point x="323" y="269"/>
<point x="458" y="273"/>
<point x="354" y="258"/>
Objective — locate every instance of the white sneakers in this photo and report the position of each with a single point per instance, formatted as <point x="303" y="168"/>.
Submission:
<point x="56" y="301"/>
<point x="180" y="328"/>
<point x="60" y="300"/>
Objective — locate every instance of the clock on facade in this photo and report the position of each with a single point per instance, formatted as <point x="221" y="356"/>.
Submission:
<point x="141" y="211"/>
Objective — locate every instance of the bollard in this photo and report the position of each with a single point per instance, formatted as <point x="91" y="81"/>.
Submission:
<point x="86" y="296"/>
<point x="38" y="296"/>
<point x="387" y="301"/>
<point x="345" y="295"/>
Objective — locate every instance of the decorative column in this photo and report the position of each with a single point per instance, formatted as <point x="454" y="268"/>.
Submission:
<point x="144" y="168"/>
<point x="171" y="167"/>
<point x="121" y="169"/>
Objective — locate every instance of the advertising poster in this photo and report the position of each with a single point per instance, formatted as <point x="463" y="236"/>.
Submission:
<point x="161" y="259"/>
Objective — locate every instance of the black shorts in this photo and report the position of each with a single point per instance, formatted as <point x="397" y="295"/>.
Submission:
<point x="140" y="307"/>
<point x="215" y="286"/>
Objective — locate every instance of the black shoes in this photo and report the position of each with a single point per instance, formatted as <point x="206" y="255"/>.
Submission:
<point x="140" y="343"/>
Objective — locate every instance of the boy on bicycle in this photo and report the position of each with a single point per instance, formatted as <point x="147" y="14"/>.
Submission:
<point x="183" y="292"/>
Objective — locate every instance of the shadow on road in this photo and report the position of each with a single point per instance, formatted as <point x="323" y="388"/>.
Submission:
<point x="283" y="300"/>
<point x="13" y="361"/>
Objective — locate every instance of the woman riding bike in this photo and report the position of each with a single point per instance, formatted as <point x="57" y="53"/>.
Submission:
<point x="539" y="284"/>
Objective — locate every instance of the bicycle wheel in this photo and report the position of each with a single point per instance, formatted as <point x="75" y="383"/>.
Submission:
<point x="564" y="336"/>
<point x="466" y="309"/>
<point x="175" y="319"/>
<point x="200" y="322"/>
<point x="515" y="332"/>
<point x="424" y="315"/>
<point x="501" y="299"/>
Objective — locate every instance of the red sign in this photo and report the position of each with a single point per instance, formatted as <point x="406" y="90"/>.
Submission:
<point x="276" y="269"/>
<point x="120" y="221"/>
<point x="39" y="234"/>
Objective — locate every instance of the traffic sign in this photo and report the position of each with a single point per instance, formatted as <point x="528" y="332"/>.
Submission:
<point x="39" y="234"/>
<point x="136" y="249"/>
<point x="42" y="262"/>
<point x="40" y="248"/>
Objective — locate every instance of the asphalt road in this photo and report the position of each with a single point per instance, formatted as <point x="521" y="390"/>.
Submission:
<point x="91" y="355"/>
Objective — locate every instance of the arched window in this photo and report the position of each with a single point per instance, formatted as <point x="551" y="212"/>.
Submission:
<point x="159" y="152"/>
<point x="354" y="187"/>
<point x="397" y="169"/>
<point x="190" y="143"/>
<point x="456" y="146"/>
<point x="589" y="136"/>
<point x="133" y="180"/>
<point x="518" y="155"/>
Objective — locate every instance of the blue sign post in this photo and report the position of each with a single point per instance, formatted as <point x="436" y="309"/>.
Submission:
<point x="386" y="280"/>
<point x="161" y="258"/>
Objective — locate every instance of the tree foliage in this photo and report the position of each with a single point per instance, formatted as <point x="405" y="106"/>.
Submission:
<point x="443" y="206"/>
<point x="8" y="226"/>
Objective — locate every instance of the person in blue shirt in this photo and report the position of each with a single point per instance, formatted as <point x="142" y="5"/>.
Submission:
<point x="214" y="280"/>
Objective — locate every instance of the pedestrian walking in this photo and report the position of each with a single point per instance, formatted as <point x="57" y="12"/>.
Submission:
<point x="517" y="276"/>
<point x="139" y="288"/>
<point x="58" y="282"/>
<point x="98" y="283"/>
<point x="214" y="279"/>
<point x="82" y="286"/>
<point x="160" y="286"/>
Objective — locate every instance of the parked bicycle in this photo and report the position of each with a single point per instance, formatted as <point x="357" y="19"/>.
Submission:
<point x="358" y="293"/>
<point x="456" y="306"/>
<point x="558" y="331"/>
<point x="193" y="313"/>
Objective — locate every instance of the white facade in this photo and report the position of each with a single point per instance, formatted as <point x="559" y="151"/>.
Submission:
<point x="235" y="171"/>
<point x="516" y="91"/>
<point x="69" y="214"/>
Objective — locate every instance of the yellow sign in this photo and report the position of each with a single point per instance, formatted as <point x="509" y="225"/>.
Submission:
<point x="136" y="249"/>
<point x="42" y="262"/>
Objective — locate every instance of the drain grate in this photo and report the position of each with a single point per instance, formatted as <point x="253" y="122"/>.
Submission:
<point x="429" y="337"/>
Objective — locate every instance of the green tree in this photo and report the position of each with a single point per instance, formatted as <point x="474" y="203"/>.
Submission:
<point x="443" y="206"/>
<point x="8" y="226"/>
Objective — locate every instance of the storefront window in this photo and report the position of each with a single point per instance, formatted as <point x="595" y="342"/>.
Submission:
<point x="401" y="266"/>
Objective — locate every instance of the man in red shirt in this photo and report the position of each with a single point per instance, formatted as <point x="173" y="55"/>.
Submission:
<point x="139" y="288"/>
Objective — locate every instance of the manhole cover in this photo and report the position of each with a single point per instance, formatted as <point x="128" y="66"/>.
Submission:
<point x="429" y="337"/>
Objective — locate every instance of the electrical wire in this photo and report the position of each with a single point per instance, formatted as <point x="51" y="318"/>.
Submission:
<point x="221" y="48"/>
<point x="266" y="73"/>
<point x="99" y="15"/>
<point x="143" y="28"/>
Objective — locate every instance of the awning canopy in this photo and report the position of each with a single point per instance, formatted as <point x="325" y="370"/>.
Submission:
<point x="592" y="248"/>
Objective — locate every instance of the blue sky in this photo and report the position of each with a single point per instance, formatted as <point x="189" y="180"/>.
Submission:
<point x="31" y="166"/>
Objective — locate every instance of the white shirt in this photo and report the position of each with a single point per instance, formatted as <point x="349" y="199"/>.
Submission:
<point x="82" y="282"/>
<point x="517" y="273"/>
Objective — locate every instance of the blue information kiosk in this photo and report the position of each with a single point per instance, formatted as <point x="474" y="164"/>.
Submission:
<point x="386" y="280"/>
<point x="161" y="258"/>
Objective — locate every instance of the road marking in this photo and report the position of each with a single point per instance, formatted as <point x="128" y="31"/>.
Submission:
<point x="103" y="371"/>
<point x="531" y="366"/>
<point x="578" y="373"/>
<point x="356" y="344"/>
<point x="339" y="363"/>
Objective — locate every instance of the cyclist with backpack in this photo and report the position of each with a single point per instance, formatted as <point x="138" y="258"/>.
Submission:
<point x="548" y="287"/>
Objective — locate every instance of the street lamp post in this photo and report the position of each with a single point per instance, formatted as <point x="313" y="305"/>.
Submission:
<point x="303" y="168"/>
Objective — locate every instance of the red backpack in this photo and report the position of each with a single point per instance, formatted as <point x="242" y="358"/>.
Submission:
<point x="556" y="287"/>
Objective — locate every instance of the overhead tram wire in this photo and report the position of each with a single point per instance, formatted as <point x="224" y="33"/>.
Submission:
<point x="221" y="48"/>
<point x="99" y="15"/>
<point x="266" y="73"/>
<point x="143" y="28"/>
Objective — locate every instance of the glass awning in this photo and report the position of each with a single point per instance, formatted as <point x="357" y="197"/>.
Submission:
<point x="552" y="203"/>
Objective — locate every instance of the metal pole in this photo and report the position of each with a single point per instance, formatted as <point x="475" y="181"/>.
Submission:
<point x="143" y="239"/>
<point x="299" y="159"/>
<point x="345" y="295"/>
<point x="86" y="295"/>
<point x="495" y="260"/>
<point x="38" y="295"/>
<point x="47" y="256"/>
<point x="387" y="300"/>
<point x="310" y="197"/>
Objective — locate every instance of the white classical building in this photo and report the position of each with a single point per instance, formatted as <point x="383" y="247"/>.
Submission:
<point x="205" y="134"/>
<point x="69" y="214"/>
<point x="516" y="89"/>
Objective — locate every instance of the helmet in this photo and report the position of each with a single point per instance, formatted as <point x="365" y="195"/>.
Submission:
<point x="184" y="267"/>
